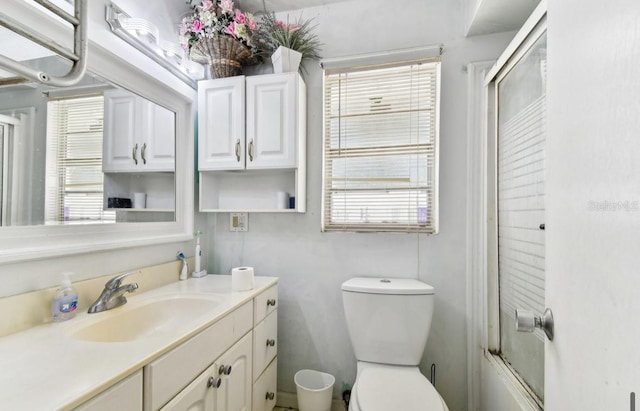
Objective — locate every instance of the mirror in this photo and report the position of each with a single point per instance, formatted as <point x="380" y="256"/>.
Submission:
<point x="128" y="85"/>
<point x="82" y="154"/>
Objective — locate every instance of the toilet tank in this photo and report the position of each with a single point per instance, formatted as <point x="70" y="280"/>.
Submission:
<point x="388" y="319"/>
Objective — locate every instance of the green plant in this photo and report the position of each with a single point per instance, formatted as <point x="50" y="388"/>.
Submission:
<point x="297" y="36"/>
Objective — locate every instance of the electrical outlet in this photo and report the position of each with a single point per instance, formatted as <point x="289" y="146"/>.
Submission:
<point x="238" y="222"/>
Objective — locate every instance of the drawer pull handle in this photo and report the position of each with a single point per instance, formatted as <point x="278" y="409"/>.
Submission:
<point x="214" y="382"/>
<point x="224" y="369"/>
<point x="270" y="395"/>
<point x="271" y="343"/>
<point x="238" y="150"/>
<point x="271" y="302"/>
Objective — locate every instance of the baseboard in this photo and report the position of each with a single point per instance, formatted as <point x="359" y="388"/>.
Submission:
<point x="290" y="400"/>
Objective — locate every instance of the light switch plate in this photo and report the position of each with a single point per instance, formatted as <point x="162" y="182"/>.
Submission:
<point x="238" y="222"/>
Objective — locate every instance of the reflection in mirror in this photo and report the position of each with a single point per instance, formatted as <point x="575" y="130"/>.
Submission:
<point x="88" y="154"/>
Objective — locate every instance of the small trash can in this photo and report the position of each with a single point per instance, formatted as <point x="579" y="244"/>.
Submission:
<point x="314" y="389"/>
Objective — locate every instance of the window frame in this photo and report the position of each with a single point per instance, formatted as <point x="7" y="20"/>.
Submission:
<point x="431" y="223"/>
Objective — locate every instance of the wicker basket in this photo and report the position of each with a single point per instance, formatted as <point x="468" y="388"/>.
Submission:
<point x="224" y="55"/>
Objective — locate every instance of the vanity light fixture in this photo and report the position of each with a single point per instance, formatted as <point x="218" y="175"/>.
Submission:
<point x="145" y="37"/>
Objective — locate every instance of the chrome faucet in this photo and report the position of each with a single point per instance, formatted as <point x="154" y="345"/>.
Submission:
<point x="113" y="294"/>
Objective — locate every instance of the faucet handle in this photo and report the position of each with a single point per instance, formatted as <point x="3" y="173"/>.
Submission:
<point x="114" y="283"/>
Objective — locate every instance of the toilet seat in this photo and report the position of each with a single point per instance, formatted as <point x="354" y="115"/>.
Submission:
<point x="384" y="389"/>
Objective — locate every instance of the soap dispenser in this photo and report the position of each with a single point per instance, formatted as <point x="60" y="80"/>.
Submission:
<point x="65" y="301"/>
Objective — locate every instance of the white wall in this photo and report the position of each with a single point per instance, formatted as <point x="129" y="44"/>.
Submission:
<point x="312" y="265"/>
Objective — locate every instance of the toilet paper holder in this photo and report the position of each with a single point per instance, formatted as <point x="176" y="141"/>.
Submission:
<point x="526" y="321"/>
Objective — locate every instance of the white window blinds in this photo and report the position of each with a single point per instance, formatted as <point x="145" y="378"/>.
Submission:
<point x="381" y="148"/>
<point x="74" y="184"/>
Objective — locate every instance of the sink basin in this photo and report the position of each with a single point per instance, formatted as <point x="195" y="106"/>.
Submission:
<point x="130" y="323"/>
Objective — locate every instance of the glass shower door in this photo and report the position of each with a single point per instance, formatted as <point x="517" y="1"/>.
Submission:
<point x="521" y="208"/>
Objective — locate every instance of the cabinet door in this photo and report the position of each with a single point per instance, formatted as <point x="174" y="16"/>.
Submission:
<point x="221" y="124"/>
<point x="197" y="396"/>
<point x="158" y="145"/>
<point x="272" y="121"/>
<point x="120" y="131"/>
<point x="234" y="393"/>
<point x="123" y="396"/>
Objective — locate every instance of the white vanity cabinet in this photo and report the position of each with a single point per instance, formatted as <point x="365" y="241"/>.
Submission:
<point x="256" y="124"/>
<point x="224" y="386"/>
<point x="230" y="366"/>
<point x="125" y="395"/>
<point x="167" y="376"/>
<point x="197" y="357"/>
<point x="139" y="136"/>
<point x="265" y="349"/>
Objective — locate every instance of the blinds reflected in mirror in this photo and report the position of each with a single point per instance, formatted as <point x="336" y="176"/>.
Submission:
<point x="380" y="148"/>
<point x="74" y="182"/>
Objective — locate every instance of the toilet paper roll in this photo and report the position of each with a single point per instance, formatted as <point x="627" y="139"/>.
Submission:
<point x="242" y="278"/>
<point x="282" y="200"/>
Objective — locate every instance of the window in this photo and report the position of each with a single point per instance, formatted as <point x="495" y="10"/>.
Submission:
<point x="74" y="184"/>
<point x="381" y="148"/>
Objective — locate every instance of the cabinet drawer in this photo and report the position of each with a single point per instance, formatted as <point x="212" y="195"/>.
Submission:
<point x="125" y="395"/>
<point x="266" y="385"/>
<point x="265" y="304"/>
<point x="166" y="376"/>
<point x="265" y="343"/>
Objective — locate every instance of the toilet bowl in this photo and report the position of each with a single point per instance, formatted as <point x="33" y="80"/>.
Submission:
<point x="381" y="387"/>
<point x="388" y="322"/>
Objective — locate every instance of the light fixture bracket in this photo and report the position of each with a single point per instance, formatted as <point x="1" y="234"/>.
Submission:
<point x="162" y="52"/>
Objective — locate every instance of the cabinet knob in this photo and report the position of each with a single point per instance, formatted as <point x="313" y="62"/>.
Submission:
<point x="224" y="369"/>
<point x="135" y="154"/>
<point x="270" y="395"/>
<point x="271" y="302"/>
<point x="214" y="382"/>
<point x="271" y="343"/>
<point x="251" y="150"/>
<point x="238" y="150"/>
<point x="143" y="154"/>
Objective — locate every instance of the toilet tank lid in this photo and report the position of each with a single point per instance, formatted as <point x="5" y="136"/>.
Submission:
<point x="387" y="286"/>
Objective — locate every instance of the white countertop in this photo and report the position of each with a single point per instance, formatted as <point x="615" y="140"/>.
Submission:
<point x="43" y="368"/>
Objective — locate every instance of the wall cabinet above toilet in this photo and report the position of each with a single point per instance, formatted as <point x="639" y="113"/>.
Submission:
<point x="256" y="125"/>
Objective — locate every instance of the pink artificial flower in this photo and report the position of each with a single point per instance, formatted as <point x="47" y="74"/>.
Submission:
<point x="197" y="26"/>
<point x="183" y="29"/>
<point x="279" y="23"/>
<point x="240" y="17"/>
<point x="231" y="30"/>
<point x="292" y="28"/>
<point x="253" y="26"/>
<point x="206" y="5"/>
<point x="226" y="6"/>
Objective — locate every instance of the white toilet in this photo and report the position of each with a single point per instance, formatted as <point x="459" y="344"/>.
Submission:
<point x="388" y="322"/>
